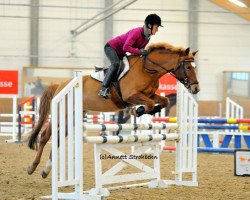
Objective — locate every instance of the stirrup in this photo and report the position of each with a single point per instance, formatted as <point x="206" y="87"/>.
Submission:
<point x="104" y="92"/>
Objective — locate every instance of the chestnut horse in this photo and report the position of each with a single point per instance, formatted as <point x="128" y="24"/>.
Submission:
<point x="137" y="88"/>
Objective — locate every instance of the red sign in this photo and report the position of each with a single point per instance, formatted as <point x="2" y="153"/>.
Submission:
<point x="168" y="85"/>
<point x="8" y="82"/>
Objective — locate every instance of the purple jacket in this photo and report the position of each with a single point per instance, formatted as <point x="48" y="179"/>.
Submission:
<point x="131" y="42"/>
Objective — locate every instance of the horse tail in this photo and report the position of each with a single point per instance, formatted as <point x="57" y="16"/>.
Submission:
<point x="44" y="110"/>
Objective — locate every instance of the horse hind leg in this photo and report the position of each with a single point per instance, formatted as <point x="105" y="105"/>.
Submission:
<point x="45" y="136"/>
<point x="46" y="170"/>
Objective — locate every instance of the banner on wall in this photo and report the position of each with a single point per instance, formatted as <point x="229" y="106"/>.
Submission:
<point x="168" y="85"/>
<point x="8" y="82"/>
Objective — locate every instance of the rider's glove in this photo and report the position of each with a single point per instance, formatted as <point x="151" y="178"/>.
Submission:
<point x="144" y="52"/>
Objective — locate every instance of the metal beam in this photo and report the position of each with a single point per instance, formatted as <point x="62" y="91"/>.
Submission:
<point x="34" y="32"/>
<point x="108" y="30"/>
<point x="95" y="16"/>
<point x="193" y="25"/>
<point x="107" y="12"/>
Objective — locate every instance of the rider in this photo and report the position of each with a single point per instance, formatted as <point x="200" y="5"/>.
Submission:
<point x="134" y="41"/>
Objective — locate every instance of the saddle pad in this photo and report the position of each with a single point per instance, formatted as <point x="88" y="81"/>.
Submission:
<point x="99" y="75"/>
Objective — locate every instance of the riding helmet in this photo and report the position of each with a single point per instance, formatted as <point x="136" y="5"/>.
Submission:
<point x="152" y="19"/>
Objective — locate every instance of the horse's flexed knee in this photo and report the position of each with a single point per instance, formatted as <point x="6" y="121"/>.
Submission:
<point x="149" y="102"/>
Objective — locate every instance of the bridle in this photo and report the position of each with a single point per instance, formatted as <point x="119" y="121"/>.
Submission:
<point x="185" y="81"/>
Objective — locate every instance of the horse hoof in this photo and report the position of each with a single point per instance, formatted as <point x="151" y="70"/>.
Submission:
<point x="30" y="170"/>
<point x="44" y="175"/>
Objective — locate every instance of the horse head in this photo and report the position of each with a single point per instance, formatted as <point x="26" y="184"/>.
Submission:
<point x="185" y="71"/>
<point x="177" y="61"/>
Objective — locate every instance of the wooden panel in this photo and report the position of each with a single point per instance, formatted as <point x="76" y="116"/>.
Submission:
<point x="242" y="12"/>
<point x="206" y="108"/>
<point x="6" y="108"/>
<point x="209" y="108"/>
<point x="247" y="2"/>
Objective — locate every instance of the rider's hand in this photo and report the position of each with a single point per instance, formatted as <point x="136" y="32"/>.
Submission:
<point x="144" y="52"/>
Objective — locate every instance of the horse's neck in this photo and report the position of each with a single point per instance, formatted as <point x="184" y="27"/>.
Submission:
<point x="134" y="60"/>
<point x="166" y="61"/>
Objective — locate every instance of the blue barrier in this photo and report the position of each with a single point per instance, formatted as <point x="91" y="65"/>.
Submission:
<point x="217" y="127"/>
<point x="216" y="150"/>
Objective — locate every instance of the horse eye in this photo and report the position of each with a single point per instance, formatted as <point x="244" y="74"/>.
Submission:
<point x="188" y="67"/>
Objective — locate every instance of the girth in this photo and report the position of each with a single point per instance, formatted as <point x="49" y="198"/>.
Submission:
<point x="116" y="96"/>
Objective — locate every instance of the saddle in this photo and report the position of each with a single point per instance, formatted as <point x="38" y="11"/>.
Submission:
<point x="116" y="95"/>
<point x="100" y="72"/>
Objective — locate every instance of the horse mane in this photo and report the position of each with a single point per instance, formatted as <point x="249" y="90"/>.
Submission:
<point x="165" y="46"/>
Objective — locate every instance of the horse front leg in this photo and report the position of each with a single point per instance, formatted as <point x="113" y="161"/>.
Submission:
<point x="45" y="136"/>
<point x="140" y="99"/>
<point x="162" y="101"/>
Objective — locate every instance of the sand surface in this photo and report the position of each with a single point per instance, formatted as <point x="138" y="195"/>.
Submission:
<point x="215" y="175"/>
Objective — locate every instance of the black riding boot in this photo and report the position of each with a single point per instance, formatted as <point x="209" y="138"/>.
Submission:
<point x="104" y="91"/>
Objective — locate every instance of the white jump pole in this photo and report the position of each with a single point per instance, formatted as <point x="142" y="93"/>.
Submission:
<point x="14" y="111"/>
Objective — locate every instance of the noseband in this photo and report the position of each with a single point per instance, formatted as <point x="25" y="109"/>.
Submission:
<point x="184" y="81"/>
<point x="180" y="66"/>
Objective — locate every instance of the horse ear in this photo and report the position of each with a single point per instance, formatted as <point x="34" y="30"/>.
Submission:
<point x="184" y="53"/>
<point x="187" y="51"/>
<point x="194" y="52"/>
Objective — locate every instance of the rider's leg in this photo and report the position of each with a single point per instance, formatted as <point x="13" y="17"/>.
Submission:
<point x="104" y="91"/>
<point x="112" y="71"/>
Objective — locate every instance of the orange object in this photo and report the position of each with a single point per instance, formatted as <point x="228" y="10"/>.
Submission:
<point x="8" y="82"/>
<point x="167" y="84"/>
<point x="169" y="148"/>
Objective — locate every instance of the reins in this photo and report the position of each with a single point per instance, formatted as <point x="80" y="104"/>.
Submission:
<point x="152" y="71"/>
